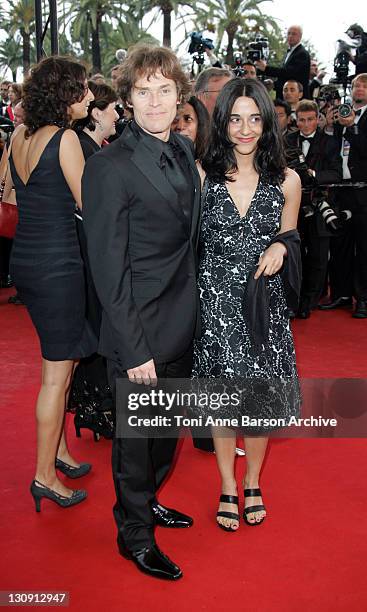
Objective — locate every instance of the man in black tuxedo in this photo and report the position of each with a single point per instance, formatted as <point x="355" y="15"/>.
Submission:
<point x="141" y="208"/>
<point x="348" y="251"/>
<point x="296" y="64"/>
<point x="324" y="165"/>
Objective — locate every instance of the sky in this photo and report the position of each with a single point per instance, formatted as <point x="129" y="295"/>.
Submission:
<point x="323" y="22"/>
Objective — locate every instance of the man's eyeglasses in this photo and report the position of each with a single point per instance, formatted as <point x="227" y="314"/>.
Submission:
<point x="212" y="90"/>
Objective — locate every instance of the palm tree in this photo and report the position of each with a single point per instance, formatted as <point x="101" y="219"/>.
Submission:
<point x="86" y="18"/>
<point x="161" y="7"/>
<point x="121" y="36"/>
<point x="233" y="18"/>
<point x="11" y="55"/>
<point x="20" y="17"/>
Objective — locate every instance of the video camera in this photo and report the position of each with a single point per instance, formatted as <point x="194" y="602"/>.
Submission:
<point x="258" y="49"/>
<point x="198" y="44"/>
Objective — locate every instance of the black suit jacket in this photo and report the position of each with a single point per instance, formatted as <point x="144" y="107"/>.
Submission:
<point x="357" y="137"/>
<point x="296" y="68"/>
<point x="323" y="156"/>
<point x="142" y="253"/>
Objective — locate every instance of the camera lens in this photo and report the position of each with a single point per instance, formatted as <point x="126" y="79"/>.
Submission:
<point x="345" y="110"/>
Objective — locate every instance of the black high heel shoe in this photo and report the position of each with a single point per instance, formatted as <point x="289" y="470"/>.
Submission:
<point x="228" y="499"/>
<point x="250" y="509"/>
<point x="39" y="490"/>
<point x="70" y="470"/>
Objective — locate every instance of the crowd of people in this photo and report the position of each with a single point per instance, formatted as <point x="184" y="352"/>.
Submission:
<point x="158" y="219"/>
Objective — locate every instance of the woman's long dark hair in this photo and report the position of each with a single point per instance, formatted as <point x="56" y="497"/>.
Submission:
<point x="219" y="162"/>
<point x="203" y="126"/>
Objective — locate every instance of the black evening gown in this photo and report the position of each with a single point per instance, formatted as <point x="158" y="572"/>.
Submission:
<point x="46" y="264"/>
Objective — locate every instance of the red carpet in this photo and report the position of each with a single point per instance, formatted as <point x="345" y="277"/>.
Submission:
<point x="308" y="556"/>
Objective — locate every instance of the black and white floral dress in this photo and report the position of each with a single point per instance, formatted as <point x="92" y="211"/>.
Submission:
<point x="230" y="247"/>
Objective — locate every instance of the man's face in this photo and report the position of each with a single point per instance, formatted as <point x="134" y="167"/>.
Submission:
<point x="210" y="95"/>
<point x="282" y="117"/>
<point x="313" y="69"/>
<point x="4" y="87"/>
<point x="307" y="122"/>
<point x="359" y="92"/>
<point x="18" y="114"/>
<point x="291" y="93"/>
<point x="154" y="101"/>
<point x="294" y="36"/>
<point x="249" y="71"/>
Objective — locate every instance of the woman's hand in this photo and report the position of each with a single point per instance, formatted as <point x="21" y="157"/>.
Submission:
<point x="272" y="260"/>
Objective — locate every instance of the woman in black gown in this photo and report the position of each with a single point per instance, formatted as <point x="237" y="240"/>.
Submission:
<point x="46" y="165"/>
<point x="90" y="395"/>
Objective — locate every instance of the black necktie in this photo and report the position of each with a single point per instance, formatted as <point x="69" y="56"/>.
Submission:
<point x="175" y="176"/>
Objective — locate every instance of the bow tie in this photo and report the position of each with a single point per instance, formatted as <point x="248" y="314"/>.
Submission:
<point x="306" y="138"/>
<point x="358" y="112"/>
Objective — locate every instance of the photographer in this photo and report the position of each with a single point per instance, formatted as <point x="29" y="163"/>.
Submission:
<point x="284" y="112"/>
<point x="356" y="32"/>
<point x="316" y="157"/>
<point x="296" y="64"/>
<point x="316" y="78"/>
<point x="348" y="251"/>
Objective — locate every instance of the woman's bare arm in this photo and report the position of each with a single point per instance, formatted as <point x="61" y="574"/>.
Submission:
<point x="72" y="163"/>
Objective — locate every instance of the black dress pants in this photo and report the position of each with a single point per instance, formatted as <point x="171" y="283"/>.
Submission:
<point x="314" y="252"/>
<point x="348" y="250"/>
<point x="140" y="465"/>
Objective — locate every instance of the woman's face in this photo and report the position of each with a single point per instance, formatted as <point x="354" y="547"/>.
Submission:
<point x="186" y="122"/>
<point x="12" y="95"/>
<point x="107" y="120"/>
<point x="245" y="126"/>
<point x="79" y="110"/>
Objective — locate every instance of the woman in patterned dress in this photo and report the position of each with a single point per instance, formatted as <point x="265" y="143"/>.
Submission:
<point x="250" y="197"/>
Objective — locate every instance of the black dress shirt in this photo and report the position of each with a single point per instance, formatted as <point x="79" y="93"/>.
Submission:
<point x="173" y="162"/>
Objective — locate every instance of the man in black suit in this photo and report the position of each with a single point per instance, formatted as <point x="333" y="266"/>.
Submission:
<point x="348" y="251"/>
<point x="324" y="165"/>
<point x="141" y="199"/>
<point x="296" y="64"/>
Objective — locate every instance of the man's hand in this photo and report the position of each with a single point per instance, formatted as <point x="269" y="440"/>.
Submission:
<point x="272" y="260"/>
<point x="260" y="64"/>
<point x="144" y="373"/>
<point x="347" y="121"/>
<point x="331" y="116"/>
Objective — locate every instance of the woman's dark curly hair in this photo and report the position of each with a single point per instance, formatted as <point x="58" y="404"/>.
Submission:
<point x="219" y="162"/>
<point x="54" y="84"/>
<point x="103" y="96"/>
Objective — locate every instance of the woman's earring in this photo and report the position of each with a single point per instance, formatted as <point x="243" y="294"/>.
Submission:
<point x="100" y="126"/>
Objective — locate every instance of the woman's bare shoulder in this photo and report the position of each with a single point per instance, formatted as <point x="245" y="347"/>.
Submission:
<point x="201" y="172"/>
<point x="292" y="182"/>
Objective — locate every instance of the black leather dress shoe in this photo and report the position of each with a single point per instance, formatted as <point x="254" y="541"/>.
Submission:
<point x="152" y="561"/>
<point x="340" y="302"/>
<point x="361" y="310"/>
<point x="167" y="517"/>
